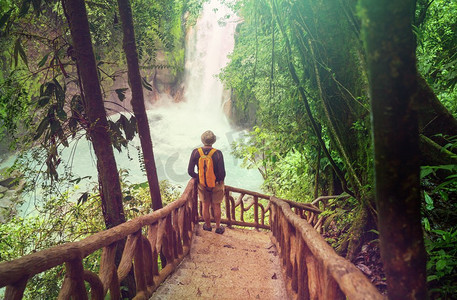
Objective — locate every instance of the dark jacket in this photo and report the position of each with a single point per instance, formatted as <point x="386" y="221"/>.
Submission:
<point x="218" y="162"/>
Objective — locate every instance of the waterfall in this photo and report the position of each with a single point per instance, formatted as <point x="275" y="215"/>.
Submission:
<point x="176" y="127"/>
<point x="208" y="44"/>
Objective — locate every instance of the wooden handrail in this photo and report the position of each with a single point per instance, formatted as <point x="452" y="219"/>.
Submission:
<point x="249" y="199"/>
<point x="170" y="231"/>
<point x="312" y="268"/>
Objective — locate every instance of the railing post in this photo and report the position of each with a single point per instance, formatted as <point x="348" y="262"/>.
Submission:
<point x="138" y="264"/>
<point x="176" y="215"/>
<point x="241" y="203"/>
<point x="148" y="261"/>
<point x="96" y="286"/>
<point x="167" y="245"/>
<point x="16" y="290"/>
<point x="186" y="228"/>
<point x="75" y="279"/>
<point x="227" y="207"/>
<point x="152" y="238"/>
<point x="232" y="208"/>
<point x="256" y="212"/>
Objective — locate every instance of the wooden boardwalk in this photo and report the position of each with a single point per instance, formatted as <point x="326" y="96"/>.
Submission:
<point x="240" y="264"/>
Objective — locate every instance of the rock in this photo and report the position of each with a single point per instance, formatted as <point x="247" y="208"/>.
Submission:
<point x="7" y="182"/>
<point x="6" y="203"/>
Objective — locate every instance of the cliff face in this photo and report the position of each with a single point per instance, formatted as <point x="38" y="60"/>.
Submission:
<point x="159" y="81"/>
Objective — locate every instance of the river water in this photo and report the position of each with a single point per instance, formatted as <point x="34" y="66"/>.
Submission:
<point x="176" y="127"/>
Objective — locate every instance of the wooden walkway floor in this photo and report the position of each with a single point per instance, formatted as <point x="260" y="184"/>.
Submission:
<point x="240" y="264"/>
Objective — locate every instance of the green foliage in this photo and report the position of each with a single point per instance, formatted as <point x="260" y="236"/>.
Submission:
<point x="442" y="263"/>
<point x="339" y="216"/>
<point x="137" y="197"/>
<point x="58" y="220"/>
<point x="439" y="219"/>
<point x="265" y="94"/>
<point x="14" y="108"/>
<point x="286" y="172"/>
<point x="437" y="48"/>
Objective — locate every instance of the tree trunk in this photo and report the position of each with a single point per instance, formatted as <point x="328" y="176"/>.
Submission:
<point x="108" y="175"/>
<point x="392" y="73"/>
<point x="316" y="176"/>
<point x="110" y="188"/>
<point x="138" y="106"/>
<point x="434" y="118"/>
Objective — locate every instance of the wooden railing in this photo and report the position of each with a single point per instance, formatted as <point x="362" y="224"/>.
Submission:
<point x="235" y="210"/>
<point x="169" y="233"/>
<point x="312" y="268"/>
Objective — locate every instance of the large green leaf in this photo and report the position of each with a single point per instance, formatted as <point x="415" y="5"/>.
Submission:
<point x="146" y="84"/>
<point x="5" y="18"/>
<point x="43" y="60"/>
<point x="43" y="101"/>
<point x="41" y="128"/>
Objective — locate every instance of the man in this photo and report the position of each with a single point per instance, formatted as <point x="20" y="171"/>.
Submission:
<point x="211" y="175"/>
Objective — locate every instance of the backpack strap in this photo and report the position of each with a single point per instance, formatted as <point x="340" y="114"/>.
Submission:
<point x="210" y="154"/>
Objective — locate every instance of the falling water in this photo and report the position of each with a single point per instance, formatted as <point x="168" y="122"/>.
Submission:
<point x="176" y="127"/>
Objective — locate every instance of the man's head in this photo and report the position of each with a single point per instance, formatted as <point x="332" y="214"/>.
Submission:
<point x="208" y="138"/>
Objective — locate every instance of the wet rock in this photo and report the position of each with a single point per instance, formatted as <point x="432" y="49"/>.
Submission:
<point x="10" y="198"/>
<point x="7" y="182"/>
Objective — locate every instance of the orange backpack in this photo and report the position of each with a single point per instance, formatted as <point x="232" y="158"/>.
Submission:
<point x="206" y="174"/>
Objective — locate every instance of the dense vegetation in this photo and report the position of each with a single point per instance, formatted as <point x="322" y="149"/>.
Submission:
<point x="300" y="81"/>
<point x="285" y="46"/>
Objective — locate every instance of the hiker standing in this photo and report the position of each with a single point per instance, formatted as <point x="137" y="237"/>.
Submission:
<point x="211" y="175"/>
